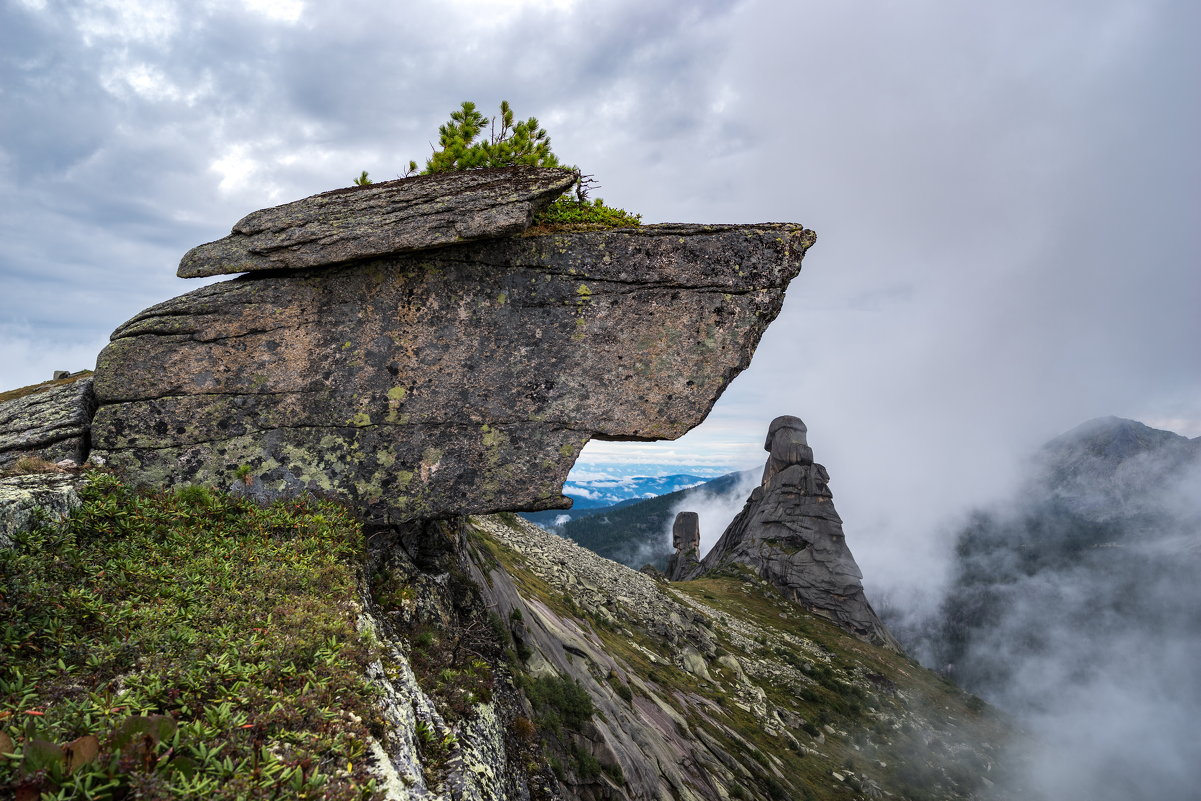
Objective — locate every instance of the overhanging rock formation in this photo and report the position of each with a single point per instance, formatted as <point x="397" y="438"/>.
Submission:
<point x="458" y="380"/>
<point x="791" y="535"/>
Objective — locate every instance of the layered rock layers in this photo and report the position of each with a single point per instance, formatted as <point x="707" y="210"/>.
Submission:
<point x="358" y="222"/>
<point x="458" y="380"/>
<point x="791" y="535"/>
<point x="51" y="422"/>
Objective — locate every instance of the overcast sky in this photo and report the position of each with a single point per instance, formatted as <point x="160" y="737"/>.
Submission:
<point x="1005" y="194"/>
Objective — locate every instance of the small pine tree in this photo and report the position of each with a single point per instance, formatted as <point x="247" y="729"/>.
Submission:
<point x="522" y="143"/>
<point x="363" y="180"/>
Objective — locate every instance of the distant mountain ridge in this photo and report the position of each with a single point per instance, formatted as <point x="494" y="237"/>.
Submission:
<point x="598" y="492"/>
<point x="635" y="532"/>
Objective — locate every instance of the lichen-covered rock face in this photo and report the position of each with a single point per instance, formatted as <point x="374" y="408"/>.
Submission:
<point x="454" y="381"/>
<point x="358" y="222"/>
<point x="50" y="423"/>
<point x="23" y="499"/>
<point x="790" y="533"/>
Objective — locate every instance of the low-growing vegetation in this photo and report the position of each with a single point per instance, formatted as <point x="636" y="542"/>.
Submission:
<point x="184" y="645"/>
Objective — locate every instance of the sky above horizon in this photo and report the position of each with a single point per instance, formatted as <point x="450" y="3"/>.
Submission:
<point x="1006" y="196"/>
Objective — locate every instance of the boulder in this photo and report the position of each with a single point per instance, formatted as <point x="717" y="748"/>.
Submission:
<point x="25" y="499"/>
<point x="790" y="534"/>
<point x="49" y="423"/>
<point x="361" y="222"/>
<point x="459" y="380"/>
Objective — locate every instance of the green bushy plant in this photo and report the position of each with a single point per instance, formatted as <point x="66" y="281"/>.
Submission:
<point x="462" y="145"/>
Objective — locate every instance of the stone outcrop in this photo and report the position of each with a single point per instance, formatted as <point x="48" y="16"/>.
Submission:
<point x="791" y="535"/>
<point x="359" y="222"/>
<point x="460" y="380"/>
<point x="686" y="539"/>
<point x="25" y="499"/>
<point x="50" y="423"/>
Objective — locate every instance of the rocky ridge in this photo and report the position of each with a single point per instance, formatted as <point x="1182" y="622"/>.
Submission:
<point x="721" y="688"/>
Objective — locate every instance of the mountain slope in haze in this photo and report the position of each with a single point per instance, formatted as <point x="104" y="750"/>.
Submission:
<point x="1076" y="606"/>
<point x="635" y="533"/>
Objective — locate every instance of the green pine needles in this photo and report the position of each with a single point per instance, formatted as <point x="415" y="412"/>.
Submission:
<point x="516" y="144"/>
<point x="463" y="145"/>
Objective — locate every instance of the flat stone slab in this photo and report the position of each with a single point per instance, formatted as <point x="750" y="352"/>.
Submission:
<point x="50" y="423"/>
<point x="452" y="381"/>
<point x="361" y="222"/>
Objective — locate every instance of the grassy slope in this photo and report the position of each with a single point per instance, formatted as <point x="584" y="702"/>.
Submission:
<point x="207" y="645"/>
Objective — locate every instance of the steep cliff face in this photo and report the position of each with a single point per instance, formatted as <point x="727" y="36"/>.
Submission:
<point x="453" y="381"/>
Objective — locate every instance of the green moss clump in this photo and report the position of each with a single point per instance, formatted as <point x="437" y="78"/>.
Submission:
<point x="568" y="214"/>
<point x="209" y="646"/>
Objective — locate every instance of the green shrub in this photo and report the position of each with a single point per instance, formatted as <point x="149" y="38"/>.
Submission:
<point x="184" y="645"/>
<point x="559" y="702"/>
<point x="578" y="214"/>
<point x="462" y="146"/>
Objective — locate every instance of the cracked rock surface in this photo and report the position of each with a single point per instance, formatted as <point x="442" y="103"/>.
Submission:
<point x="460" y="380"/>
<point x="410" y="214"/>
<point x="50" y="423"/>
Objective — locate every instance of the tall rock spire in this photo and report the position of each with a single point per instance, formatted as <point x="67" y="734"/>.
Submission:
<point x="791" y="535"/>
<point x="686" y="539"/>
